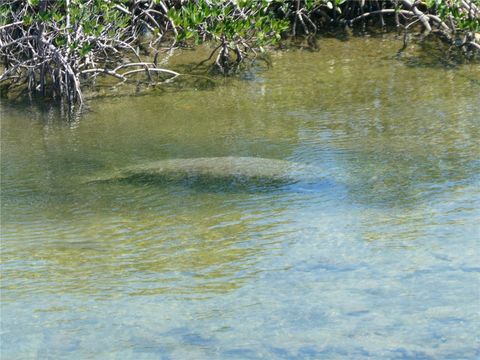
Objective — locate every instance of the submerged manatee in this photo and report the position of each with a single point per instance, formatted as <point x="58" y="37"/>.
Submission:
<point x="218" y="172"/>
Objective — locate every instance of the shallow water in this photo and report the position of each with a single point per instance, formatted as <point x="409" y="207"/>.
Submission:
<point x="379" y="260"/>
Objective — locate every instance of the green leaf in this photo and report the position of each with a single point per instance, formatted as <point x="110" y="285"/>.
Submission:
<point x="57" y="17"/>
<point x="44" y="15"/>
<point x="85" y="49"/>
<point x="60" y="41"/>
<point x="27" y="19"/>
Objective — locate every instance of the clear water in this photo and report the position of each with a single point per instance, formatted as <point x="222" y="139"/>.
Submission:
<point x="379" y="261"/>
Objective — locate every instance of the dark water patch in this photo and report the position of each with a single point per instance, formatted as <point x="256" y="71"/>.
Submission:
<point x="405" y="354"/>
<point x="207" y="183"/>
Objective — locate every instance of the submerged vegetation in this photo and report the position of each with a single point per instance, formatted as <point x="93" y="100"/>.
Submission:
<point x="56" y="47"/>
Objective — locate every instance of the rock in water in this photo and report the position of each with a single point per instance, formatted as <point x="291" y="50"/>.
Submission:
<point x="221" y="172"/>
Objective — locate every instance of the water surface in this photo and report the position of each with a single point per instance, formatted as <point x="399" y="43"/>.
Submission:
<point x="379" y="260"/>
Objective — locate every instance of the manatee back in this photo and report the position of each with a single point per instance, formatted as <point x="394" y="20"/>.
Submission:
<point x="217" y="172"/>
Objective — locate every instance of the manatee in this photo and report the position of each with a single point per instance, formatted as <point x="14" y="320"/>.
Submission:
<point x="216" y="172"/>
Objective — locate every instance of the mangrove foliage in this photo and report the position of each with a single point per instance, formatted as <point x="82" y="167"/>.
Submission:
<point x="56" y="47"/>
